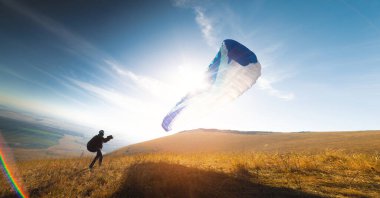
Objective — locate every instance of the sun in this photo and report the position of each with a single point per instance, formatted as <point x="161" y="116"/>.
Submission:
<point x="191" y="79"/>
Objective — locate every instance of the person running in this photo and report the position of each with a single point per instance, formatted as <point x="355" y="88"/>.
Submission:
<point x="96" y="145"/>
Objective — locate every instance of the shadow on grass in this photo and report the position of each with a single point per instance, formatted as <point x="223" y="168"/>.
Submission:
<point x="9" y="195"/>
<point x="172" y="180"/>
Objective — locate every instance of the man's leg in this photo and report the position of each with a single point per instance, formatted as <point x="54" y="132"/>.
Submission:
<point x="93" y="161"/>
<point x="100" y="157"/>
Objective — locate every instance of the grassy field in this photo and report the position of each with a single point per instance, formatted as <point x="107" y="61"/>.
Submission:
<point x="211" y="163"/>
<point x="326" y="174"/>
<point x="211" y="140"/>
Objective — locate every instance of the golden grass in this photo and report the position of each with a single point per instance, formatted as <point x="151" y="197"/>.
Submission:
<point x="331" y="173"/>
<point x="202" y="140"/>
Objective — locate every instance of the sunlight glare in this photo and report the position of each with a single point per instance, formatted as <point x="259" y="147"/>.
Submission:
<point x="190" y="79"/>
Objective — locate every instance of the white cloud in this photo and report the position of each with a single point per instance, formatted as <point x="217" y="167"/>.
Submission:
<point x="76" y="44"/>
<point x="267" y="85"/>
<point x="180" y="3"/>
<point x="41" y="85"/>
<point x="153" y="86"/>
<point x="205" y="23"/>
<point x="89" y="52"/>
<point x="112" y="97"/>
<point x="123" y="114"/>
<point x="206" y="27"/>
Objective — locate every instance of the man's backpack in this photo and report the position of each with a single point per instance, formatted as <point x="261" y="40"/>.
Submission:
<point x="93" y="144"/>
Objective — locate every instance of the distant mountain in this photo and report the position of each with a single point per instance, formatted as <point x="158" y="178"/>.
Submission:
<point x="211" y="140"/>
<point x="31" y="138"/>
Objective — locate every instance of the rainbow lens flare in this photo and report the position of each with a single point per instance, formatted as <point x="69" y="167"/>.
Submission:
<point x="8" y="167"/>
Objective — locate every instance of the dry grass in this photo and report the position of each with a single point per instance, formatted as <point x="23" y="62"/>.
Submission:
<point x="209" y="140"/>
<point x="331" y="173"/>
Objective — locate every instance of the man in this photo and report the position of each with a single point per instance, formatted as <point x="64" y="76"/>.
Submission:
<point x="95" y="145"/>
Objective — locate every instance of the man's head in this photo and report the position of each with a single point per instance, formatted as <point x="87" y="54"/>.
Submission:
<point x="101" y="133"/>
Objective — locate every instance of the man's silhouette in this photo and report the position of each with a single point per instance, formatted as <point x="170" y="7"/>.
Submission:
<point x="95" y="145"/>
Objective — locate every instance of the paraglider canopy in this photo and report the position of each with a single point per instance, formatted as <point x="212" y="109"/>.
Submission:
<point x="233" y="71"/>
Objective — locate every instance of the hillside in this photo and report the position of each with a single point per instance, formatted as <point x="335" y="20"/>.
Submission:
<point x="209" y="140"/>
<point x="211" y="163"/>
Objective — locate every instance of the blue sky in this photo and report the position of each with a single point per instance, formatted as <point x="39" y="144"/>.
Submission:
<point x="121" y="66"/>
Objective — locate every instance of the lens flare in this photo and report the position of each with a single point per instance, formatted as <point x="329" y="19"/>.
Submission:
<point x="8" y="168"/>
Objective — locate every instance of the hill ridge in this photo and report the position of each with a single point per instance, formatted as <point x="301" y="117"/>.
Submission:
<point x="213" y="140"/>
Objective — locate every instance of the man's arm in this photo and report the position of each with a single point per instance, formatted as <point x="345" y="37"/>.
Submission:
<point x="108" y="138"/>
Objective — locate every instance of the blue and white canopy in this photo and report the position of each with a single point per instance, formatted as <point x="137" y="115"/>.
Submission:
<point x="232" y="72"/>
